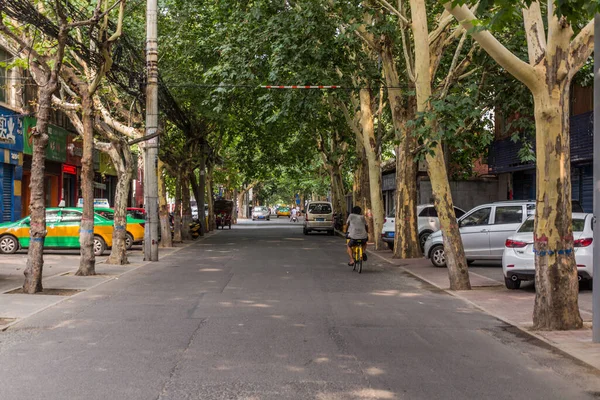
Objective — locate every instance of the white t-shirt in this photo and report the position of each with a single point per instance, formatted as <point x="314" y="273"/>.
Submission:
<point x="357" y="227"/>
<point x="294" y="212"/>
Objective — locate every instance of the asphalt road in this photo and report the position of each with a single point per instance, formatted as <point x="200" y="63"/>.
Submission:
<point x="263" y="312"/>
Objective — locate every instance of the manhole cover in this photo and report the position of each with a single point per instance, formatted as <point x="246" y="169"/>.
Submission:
<point x="49" y="292"/>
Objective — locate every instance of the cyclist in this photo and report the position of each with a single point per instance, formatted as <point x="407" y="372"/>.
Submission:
<point x="357" y="230"/>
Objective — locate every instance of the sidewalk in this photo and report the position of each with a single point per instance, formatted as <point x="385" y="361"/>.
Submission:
<point x="58" y="280"/>
<point x="515" y="307"/>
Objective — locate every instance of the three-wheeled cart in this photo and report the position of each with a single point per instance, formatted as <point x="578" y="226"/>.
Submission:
<point x="223" y="211"/>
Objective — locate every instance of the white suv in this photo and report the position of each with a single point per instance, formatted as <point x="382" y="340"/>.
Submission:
<point x="427" y="221"/>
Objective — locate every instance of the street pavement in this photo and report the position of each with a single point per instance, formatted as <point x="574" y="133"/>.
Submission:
<point x="262" y="311"/>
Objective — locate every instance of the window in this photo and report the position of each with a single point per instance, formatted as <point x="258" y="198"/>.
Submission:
<point x="428" y="212"/>
<point x="479" y="217"/>
<point x="319" y="208"/>
<point x="528" y="226"/>
<point x="106" y="214"/>
<point x="70" y="216"/>
<point x="458" y="212"/>
<point x="508" y="215"/>
<point x="52" y="217"/>
<point x="5" y="58"/>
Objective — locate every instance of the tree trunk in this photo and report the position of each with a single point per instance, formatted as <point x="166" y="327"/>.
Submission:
<point x="406" y="239"/>
<point x="123" y="162"/>
<point x="198" y="195"/>
<point x="186" y="208"/>
<point x="361" y="196"/>
<point x="201" y="193"/>
<point x="163" y="209"/>
<point x="556" y="296"/>
<point x="374" y="166"/>
<point x="458" y="272"/>
<point x="337" y="191"/>
<point x="209" y="198"/>
<point x="177" y="211"/>
<point x="37" y="205"/>
<point x="87" y="260"/>
<point x="235" y="208"/>
<point x="240" y="202"/>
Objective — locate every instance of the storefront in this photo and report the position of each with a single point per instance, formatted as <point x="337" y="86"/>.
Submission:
<point x="11" y="165"/>
<point x="105" y="181"/>
<point x="56" y="156"/>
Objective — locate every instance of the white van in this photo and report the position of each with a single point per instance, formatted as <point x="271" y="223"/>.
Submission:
<point x="319" y="217"/>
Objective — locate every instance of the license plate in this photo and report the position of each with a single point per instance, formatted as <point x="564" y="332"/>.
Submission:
<point x="261" y="217"/>
<point x="320" y="219"/>
<point x="391" y="234"/>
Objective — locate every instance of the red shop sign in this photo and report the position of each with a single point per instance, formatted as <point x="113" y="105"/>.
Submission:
<point x="69" y="169"/>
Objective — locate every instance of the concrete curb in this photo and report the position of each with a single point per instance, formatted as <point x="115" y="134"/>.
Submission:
<point x="522" y="329"/>
<point x="64" y="298"/>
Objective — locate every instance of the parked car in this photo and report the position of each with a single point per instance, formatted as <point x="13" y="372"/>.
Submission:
<point x="136" y="213"/>
<point x="62" y="227"/>
<point x="319" y="217"/>
<point x="135" y="227"/>
<point x="427" y="221"/>
<point x="261" y="212"/>
<point x="483" y="230"/>
<point x="518" y="261"/>
<point x="283" y="211"/>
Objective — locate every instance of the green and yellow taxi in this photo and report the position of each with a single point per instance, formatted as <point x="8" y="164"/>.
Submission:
<point x="62" y="231"/>
<point x="283" y="211"/>
<point x="135" y="227"/>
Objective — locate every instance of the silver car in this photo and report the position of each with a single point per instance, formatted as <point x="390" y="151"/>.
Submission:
<point x="483" y="230"/>
<point x="261" y="212"/>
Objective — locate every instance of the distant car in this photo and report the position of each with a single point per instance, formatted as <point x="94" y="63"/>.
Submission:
<point x="427" y="221"/>
<point x="62" y="231"/>
<point x="319" y="217"/>
<point x="283" y="212"/>
<point x="261" y="212"/>
<point x="195" y="212"/>
<point x="518" y="261"/>
<point x="483" y="230"/>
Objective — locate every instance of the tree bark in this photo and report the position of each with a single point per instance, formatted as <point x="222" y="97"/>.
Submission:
<point x="37" y="205"/>
<point x="403" y="107"/>
<point x="87" y="260"/>
<point x="458" y="272"/>
<point x="177" y="237"/>
<point x="186" y="209"/>
<point x="163" y="209"/>
<point x="123" y="162"/>
<point x="374" y="166"/>
<point x="209" y="197"/>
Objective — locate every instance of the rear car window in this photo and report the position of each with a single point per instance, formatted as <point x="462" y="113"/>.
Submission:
<point x="319" y="208"/>
<point x="527" y="227"/>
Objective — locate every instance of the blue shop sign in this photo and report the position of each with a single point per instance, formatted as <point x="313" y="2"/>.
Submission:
<point x="11" y="130"/>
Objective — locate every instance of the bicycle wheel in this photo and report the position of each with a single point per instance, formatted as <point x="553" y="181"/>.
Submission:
<point x="355" y="259"/>
<point x="360" y="266"/>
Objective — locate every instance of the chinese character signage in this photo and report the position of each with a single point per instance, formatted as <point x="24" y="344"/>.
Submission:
<point x="11" y="130"/>
<point x="57" y="142"/>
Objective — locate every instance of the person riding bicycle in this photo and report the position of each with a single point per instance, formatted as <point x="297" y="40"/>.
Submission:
<point x="293" y="214"/>
<point x="357" y="231"/>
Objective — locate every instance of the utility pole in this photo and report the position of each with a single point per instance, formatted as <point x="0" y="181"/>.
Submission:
<point x="151" y="145"/>
<point x="596" y="257"/>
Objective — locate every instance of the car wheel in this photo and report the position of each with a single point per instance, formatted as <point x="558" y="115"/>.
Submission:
<point x="438" y="256"/>
<point x="8" y="244"/>
<point x="99" y="246"/>
<point x="331" y="233"/>
<point x="128" y="241"/>
<point x="510" y="284"/>
<point x="390" y="245"/>
<point x="423" y="238"/>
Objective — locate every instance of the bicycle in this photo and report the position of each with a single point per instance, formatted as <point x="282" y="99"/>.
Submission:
<point x="357" y="252"/>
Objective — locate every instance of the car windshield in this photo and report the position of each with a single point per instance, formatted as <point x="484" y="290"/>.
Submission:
<point x="319" y="208"/>
<point x="259" y="208"/>
<point x="527" y="227"/>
